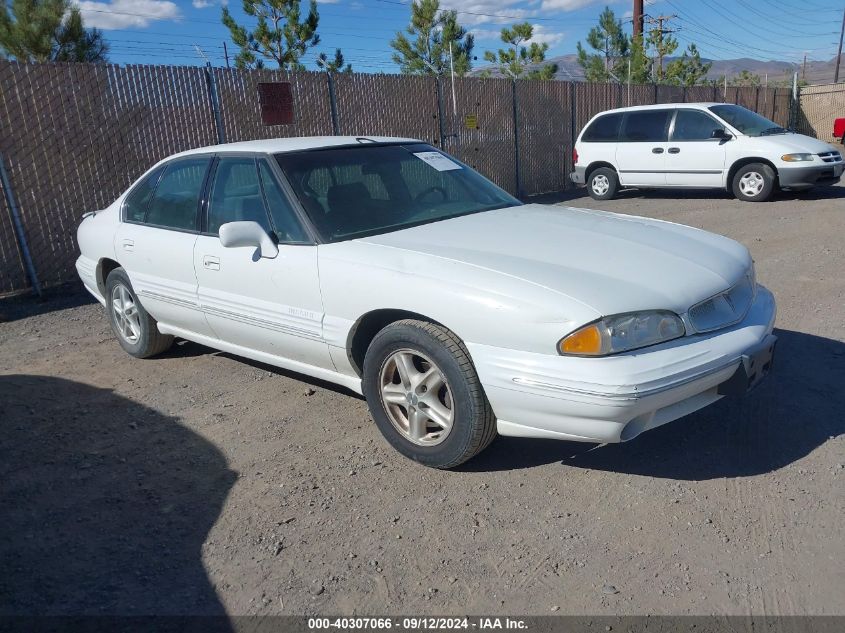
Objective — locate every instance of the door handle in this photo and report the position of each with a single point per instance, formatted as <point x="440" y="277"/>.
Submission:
<point x="674" y="150"/>
<point x="128" y="245"/>
<point x="656" y="150"/>
<point x="210" y="262"/>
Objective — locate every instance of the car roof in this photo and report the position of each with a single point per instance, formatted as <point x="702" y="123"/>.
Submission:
<point x="662" y="106"/>
<point x="293" y="144"/>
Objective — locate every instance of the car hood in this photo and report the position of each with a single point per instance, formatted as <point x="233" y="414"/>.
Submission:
<point x="612" y="263"/>
<point x="796" y="143"/>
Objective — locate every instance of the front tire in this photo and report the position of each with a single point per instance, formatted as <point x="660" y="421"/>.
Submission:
<point x="425" y="396"/>
<point x="603" y="183"/>
<point x="136" y="331"/>
<point x="754" y="182"/>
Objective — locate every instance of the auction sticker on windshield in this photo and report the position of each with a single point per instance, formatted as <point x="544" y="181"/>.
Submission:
<point x="437" y="160"/>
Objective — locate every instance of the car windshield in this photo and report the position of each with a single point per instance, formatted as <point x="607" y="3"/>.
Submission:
<point x="746" y="121"/>
<point x="356" y="191"/>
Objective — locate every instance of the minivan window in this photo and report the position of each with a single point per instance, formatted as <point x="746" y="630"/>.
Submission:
<point x="604" y="129"/>
<point x="746" y="121"/>
<point x="646" y="125"/>
<point x="174" y="204"/>
<point x="692" y="125"/>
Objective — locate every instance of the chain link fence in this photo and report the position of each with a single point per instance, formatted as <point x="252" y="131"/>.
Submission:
<point x="74" y="136"/>
<point x="820" y="105"/>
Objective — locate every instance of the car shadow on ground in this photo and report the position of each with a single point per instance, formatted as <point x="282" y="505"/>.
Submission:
<point x="574" y="194"/>
<point x="793" y="412"/>
<point x="26" y="305"/>
<point x="105" y="504"/>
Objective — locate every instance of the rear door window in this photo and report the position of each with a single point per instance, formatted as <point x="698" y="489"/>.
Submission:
<point x="644" y="126"/>
<point x="604" y="129"/>
<point x="176" y="199"/>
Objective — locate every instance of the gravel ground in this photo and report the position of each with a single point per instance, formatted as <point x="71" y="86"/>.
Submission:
<point x="200" y="483"/>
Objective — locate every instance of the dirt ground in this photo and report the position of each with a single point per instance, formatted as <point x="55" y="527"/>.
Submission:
<point x="200" y="483"/>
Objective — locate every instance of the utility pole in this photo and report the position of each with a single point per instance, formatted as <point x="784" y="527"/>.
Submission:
<point x="839" y="54"/>
<point x="660" y="32"/>
<point x="638" y="17"/>
<point x="804" y="69"/>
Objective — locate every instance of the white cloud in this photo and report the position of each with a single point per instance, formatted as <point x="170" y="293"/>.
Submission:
<point x="485" y="11"/>
<point x="540" y="35"/>
<point x="569" y="5"/>
<point x="120" y="14"/>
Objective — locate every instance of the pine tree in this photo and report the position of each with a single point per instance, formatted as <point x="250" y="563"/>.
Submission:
<point x="423" y="49"/>
<point x="281" y="34"/>
<point x="516" y="60"/>
<point x="611" y="47"/>
<point x="48" y="30"/>
<point x="335" y="65"/>
<point x="687" y="70"/>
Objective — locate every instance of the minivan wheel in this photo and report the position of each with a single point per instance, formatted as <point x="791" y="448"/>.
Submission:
<point x="136" y="331"/>
<point x="425" y="396"/>
<point x="754" y="182"/>
<point x="603" y="183"/>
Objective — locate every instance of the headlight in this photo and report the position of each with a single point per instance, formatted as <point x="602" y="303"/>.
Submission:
<point x="796" y="158"/>
<point x="621" y="333"/>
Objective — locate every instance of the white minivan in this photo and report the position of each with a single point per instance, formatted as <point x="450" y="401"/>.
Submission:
<point x="698" y="145"/>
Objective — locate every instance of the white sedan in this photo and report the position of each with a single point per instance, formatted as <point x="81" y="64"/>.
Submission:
<point x="391" y="268"/>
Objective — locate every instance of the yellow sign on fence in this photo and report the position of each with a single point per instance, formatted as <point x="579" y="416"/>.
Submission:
<point x="471" y="121"/>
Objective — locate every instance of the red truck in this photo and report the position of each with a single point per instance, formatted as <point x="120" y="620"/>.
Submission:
<point x="839" y="129"/>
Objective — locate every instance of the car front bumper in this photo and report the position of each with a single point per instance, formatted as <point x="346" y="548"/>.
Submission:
<point x="579" y="176"/>
<point x="615" y="398"/>
<point x="826" y="174"/>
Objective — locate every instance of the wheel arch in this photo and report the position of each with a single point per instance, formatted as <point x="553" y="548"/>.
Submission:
<point x="368" y="325"/>
<point x="104" y="267"/>
<point x="596" y="165"/>
<point x="742" y="162"/>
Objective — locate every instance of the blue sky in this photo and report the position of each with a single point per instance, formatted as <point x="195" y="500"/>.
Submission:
<point x="165" y="31"/>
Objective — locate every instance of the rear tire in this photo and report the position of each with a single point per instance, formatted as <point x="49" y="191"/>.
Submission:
<point x="603" y="183"/>
<point x="754" y="182"/>
<point x="425" y="396"/>
<point x="136" y="331"/>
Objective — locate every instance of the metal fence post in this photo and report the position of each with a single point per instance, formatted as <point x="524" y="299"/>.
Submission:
<point x="440" y="111"/>
<point x="573" y="120"/>
<point x="333" y="103"/>
<point x="516" y="139"/>
<point x="18" y="226"/>
<point x="215" y="102"/>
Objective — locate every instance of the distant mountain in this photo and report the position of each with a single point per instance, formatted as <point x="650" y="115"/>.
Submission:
<point x="816" y="73"/>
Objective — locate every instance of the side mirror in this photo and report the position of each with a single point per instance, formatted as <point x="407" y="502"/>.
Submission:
<point x="720" y="134"/>
<point x="237" y="234"/>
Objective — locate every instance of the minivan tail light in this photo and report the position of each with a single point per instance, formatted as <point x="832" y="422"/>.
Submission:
<point x="574" y="156"/>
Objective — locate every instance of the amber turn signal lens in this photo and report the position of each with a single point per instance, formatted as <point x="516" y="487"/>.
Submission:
<point x="585" y="341"/>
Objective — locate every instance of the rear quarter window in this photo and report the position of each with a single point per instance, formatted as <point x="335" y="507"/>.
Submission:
<point x="604" y="129"/>
<point x="136" y="202"/>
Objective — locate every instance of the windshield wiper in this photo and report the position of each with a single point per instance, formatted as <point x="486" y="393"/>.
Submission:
<point x="773" y="130"/>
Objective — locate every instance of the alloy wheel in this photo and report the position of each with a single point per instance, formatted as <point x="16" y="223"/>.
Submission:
<point x="126" y="315"/>
<point x="416" y="397"/>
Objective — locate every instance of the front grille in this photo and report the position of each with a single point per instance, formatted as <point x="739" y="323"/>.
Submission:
<point x="831" y="157"/>
<point x="725" y="309"/>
